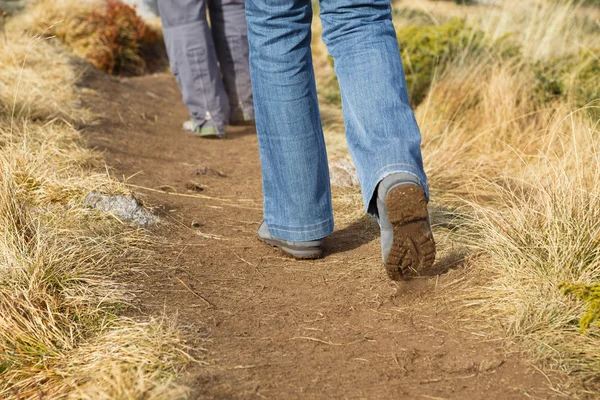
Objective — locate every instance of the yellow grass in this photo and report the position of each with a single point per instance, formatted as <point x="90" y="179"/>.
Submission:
<point x="31" y="70"/>
<point x="545" y="29"/>
<point x="61" y="335"/>
<point x="525" y="176"/>
<point x="542" y="231"/>
<point x="58" y="18"/>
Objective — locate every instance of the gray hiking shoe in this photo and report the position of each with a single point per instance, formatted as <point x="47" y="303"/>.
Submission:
<point x="407" y="243"/>
<point x="238" y="117"/>
<point x="300" y="250"/>
<point x="202" y="131"/>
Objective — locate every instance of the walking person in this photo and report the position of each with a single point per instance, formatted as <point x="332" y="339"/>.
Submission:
<point x="214" y="96"/>
<point x="382" y="133"/>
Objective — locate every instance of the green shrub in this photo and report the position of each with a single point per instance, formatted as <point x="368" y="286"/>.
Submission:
<point x="590" y="295"/>
<point x="575" y="77"/>
<point x="118" y="39"/>
<point x="426" y="50"/>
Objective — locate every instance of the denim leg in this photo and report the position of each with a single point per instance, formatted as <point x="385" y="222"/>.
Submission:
<point x="297" y="196"/>
<point x="230" y="34"/>
<point x="382" y="132"/>
<point x="193" y="61"/>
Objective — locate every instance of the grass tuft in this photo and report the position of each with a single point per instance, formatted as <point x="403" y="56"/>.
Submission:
<point x="62" y="334"/>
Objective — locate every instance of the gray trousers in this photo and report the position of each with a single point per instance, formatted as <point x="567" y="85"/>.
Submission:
<point x="196" y="49"/>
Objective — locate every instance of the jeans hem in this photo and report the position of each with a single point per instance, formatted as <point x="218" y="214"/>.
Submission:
<point x="304" y="234"/>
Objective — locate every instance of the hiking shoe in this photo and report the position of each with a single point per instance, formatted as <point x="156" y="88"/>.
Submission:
<point x="407" y="243"/>
<point x="202" y="131"/>
<point x="300" y="250"/>
<point x="238" y="117"/>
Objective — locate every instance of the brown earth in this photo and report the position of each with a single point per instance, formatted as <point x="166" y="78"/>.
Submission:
<point x="273" y="327"/>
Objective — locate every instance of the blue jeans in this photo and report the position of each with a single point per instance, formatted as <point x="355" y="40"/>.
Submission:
<point x="381" y="130"/>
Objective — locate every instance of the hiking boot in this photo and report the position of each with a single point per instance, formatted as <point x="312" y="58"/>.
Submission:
<point x="238" y="117"/>
<point x="407" y="243"/>
<point x="300" y="250"/>
<point x="204" y="130"/>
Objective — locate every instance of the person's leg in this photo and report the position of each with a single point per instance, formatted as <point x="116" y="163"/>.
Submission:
<point x="230" y="34"/>
<point x="297" y="196"/>
<point x="382" y="132"/>
<point x="193" y="61"/>
<point x="381" y="129"/>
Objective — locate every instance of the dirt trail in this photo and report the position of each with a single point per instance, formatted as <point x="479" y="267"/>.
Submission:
<point x="273" y="327"/>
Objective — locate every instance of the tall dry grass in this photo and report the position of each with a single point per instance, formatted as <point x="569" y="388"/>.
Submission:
<point x="522" y="174"/>
<point x="31" y="70"/>
<point x="545" y="29"/>
<point x="61" y="333"/>
<point x="539" y="233"/>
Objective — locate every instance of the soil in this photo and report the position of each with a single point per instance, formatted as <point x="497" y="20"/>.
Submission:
<point x="265" y="326"/>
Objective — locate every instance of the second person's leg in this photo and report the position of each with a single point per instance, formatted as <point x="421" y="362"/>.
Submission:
<point x="194" y="62"/>
<point x="230" y="34"/>
<point x="297" y="197"/>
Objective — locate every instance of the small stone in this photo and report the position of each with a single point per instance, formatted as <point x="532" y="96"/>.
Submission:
<point x="125" y="207"/>
<point x="196" y="224"/>
<point x="343" y="173"/>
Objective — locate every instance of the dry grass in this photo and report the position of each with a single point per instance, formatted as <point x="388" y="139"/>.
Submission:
<point x="541" y="230"/>
<point x="528" y="172"/>
<point x="131" y="360"/>
<point x="61" y="17"/>
<point x="545" y="29"/>
<point x="515" y="177"/>
<point x="61" y="335"/>
<point x="25" y="85"/>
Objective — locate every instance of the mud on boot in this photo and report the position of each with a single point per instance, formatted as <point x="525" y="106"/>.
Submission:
<point x="408" y="247"/>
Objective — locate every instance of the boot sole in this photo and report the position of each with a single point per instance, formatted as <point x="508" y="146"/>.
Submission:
<point x="308" y="253"/>
<point x="413" y="247"/>
<point x="208" y="135"/>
